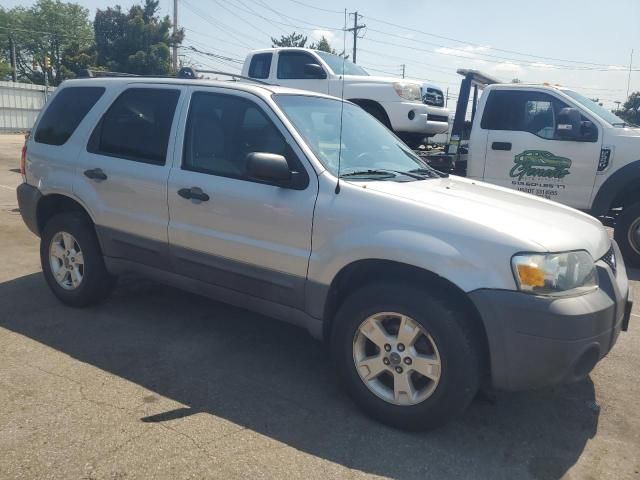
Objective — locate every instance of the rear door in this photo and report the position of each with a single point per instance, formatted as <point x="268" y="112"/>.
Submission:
<point x="122" y="174"/>
<point x="524" y="151"/>
<point x="291" y="71"/>
<point x="248" y="236"/>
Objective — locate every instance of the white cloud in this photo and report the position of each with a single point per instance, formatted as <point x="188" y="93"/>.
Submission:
<point x="316" y="35"/>
<point x="508" y="67"/>
<point x="469" y="51"/>
<point x="540" y="66"/>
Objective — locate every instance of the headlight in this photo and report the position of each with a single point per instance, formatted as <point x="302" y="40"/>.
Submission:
<point x="408" y="91"/>
<point x="555" y="273"/>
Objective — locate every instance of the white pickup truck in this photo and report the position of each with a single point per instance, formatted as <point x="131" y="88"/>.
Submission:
<point x="412" y="109"/>
<point x="552" y="142"/>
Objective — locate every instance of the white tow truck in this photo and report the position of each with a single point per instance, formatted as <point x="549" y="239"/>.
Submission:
<point x="551" y="142"/>
<point x="412" y="109"/>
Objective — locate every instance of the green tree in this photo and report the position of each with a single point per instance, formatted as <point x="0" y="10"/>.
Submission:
<point x="51" y="29"/>
<point x="323" y="45"/>
<point x="630" y="111"/>
<point x="138" y="41"/>
<point x="292" y="40"/>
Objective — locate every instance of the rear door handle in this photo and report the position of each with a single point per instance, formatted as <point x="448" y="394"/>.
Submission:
<point x="194" y="193"/>
<point x="506" y="146"/>
<point x="95" y="174"/>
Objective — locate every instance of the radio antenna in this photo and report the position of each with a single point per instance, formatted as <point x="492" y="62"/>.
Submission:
<point x="344" y="52"/>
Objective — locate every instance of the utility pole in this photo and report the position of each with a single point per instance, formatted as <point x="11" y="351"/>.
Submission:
<point x="403" y="68"/>
<point x="175" y="30"/>
<point x="629" y="77"/>
<point x="14" y="68"/>
<point x="446" y="102"/>
<point x="355" y="30"/>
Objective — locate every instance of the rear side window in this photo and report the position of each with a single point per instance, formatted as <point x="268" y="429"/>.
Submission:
<point x="260" y="65"/>
<point x="64" y="114"/>
<point x="137" y="125"/>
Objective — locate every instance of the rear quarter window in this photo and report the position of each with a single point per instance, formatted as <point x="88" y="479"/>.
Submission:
<point x="65" y="112"/>
<point x="260" y="65"/>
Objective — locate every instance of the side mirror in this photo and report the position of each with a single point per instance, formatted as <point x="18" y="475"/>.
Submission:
<point x="313" y="70"/>
<point x="268" y="167"/>
<point x="568" y="124"/>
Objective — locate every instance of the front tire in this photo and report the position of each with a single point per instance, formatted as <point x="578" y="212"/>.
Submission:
<point x="627" y="233"/>
<point x="72" y="261"/>
<point x="405" y="356"/>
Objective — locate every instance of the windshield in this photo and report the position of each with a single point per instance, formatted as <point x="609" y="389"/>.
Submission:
<point x="335" y="63"/>
<point x="369" y="150"/>
<point x="602" y="112"/>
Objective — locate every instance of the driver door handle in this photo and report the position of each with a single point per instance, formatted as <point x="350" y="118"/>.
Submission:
<point x="193" y="193"/>
<point x="95" y="174"/>
<point x="505" y="146"/>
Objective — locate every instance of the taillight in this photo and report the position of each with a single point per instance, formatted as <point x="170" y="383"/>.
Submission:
<point x="23" y="159"/>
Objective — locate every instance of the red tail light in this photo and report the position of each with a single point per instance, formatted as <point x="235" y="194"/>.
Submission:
<point x="23" y="159"/>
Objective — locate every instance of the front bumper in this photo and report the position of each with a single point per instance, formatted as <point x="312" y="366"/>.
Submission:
<point x="422" y="121"/>
<point x="536" y="341"/>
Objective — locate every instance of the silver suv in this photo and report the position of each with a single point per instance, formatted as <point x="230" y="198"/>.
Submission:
<point x="305" y="208"/>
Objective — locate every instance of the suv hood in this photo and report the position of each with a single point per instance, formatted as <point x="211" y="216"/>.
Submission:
<point x="552" y="226"/>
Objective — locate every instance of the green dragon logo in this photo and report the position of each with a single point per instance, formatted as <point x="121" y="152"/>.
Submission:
<point x="539" y="163"/>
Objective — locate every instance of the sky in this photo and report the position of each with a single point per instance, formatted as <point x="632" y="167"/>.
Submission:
<point x="582" y="44"/>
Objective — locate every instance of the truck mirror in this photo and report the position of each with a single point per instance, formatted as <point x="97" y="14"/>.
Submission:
<point x="313" y="70"/>
<point x="568" y="124"/>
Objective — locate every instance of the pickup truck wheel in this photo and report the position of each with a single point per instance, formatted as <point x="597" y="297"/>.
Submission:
<point x="627" y="233"/>
<point x="72" y="261"/>
<point x="405" y="356"/>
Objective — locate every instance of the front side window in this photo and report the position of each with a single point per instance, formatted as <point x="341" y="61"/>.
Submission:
<point x="223" y="129"/>
<point x="522" y="111"/>
<point x="64" y="114"/>
<point x="291" y="65"/>
<point x="260" y="65"/>
<point x="137" y="126"/>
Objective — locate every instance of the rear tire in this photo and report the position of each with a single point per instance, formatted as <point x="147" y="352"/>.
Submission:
<point x="72" y="261"/>
<point x="434" y="399"/>
<point x="627" y="233"/>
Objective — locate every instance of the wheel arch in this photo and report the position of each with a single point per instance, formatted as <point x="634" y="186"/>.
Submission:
<point x="620" y="189"/>
<point x="55" y="203"/>
<point x="371" y="106"/>
<point x="363" y="272"/>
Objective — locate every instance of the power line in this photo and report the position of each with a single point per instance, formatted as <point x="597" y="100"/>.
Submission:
<point x="316" y="8"/>
<point x="422" y="32"/>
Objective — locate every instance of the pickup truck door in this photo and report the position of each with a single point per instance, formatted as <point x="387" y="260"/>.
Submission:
<point x="525" y="152"/>
<point x="225" y="228"/>
<point x="293" y="71"/>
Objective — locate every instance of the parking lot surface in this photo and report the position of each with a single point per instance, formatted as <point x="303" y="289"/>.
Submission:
<point x="158" y="383"/>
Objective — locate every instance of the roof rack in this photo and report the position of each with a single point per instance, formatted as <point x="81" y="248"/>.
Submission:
<point x="188" y="73"/>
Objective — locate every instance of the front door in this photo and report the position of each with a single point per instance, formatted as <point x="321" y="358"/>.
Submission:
<point x="292" y="71"/>
<point x="525" y="152"/>
<point x="248" y="236"/>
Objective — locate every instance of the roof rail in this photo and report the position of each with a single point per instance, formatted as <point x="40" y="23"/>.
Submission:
<point x="189" y="73"/>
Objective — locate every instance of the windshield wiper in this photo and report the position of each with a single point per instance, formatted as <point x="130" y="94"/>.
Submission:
<point x="429" y="173"/>
<point x="370" y="172"/>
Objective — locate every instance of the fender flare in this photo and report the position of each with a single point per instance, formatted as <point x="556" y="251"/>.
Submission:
<point x="618" y="183"/>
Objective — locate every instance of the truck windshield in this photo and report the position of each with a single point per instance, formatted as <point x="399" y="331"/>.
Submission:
<point x="335" y="63"/>
<point x="368" y="149"/>
<point x="602" y="112"/>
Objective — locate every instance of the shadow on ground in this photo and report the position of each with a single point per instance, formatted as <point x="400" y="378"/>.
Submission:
<point x="276" y="380"/>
